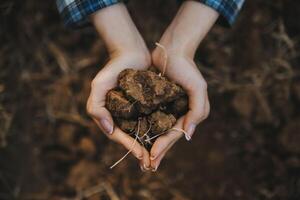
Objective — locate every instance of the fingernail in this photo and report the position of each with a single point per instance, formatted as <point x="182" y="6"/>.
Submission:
<point x="145" y="167"/>
<point x="107" y="126"/>
<point x="137" y="156"/>
<point x="152" y="157"/>
<point x="142" y="169"/>
<point x="190" y="132"/>
<point x="155" y="169"/>
<point x="187" y="137"/>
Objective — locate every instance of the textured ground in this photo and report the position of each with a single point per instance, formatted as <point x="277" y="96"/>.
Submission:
<point x="247" y="149"/>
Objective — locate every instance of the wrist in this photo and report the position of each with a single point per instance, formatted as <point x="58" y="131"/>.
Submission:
<point x="188" y="28"/>
<point x="118" y="31"/>
<point x="139" y="58"/>
<point x="174" y="44"/>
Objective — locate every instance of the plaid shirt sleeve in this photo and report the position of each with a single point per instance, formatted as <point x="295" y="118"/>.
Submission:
<point x="228" y="9"/>
<point x="76" y="12"/>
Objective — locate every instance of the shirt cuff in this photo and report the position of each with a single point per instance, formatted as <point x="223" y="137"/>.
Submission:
<point x="75" y="12"/>
<point x="228" y="9"/>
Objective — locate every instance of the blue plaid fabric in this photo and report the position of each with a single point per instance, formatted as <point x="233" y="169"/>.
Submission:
<point x="75" y="12"/>
<point x="229" y="9"/>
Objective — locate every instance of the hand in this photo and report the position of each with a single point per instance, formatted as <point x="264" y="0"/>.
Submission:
<point x="126" y="49"/>
<point x="183" y="71"/>
<point x="180" y="41"/>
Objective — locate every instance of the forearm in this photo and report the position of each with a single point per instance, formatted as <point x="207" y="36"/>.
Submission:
<point x="118" y="31"/>
<point x="188" y="28"/>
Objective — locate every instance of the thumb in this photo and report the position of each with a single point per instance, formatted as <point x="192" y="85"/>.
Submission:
<point x="199" y="108"/>
<point x="102" y="117"/>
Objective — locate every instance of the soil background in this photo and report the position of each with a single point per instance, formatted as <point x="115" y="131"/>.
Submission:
<point x="248" y="148"/>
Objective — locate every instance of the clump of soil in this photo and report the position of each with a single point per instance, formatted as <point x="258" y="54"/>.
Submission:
<point x="146" y="104"/>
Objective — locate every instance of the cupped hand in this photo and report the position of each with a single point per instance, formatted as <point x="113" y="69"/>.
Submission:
<point x="179" y="44"/>
<point x="182" y="70"/>
<point x="127" y="49"/>
<point x="104" y="81"/>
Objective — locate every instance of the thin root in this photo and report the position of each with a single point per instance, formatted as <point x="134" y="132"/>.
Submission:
<point x="130" y="150"/>
<point x="146" y="133"/>
<point x="187" y="137"/>
<point x="155" y="136"/>
<point x="127" y="108"/>
<point x="139" y="139"/>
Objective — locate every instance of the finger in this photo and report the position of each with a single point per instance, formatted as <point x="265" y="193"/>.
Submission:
<point x="101" y="116"/>
<point x="128" y="142"/>
<point x="105" y="80"/>
<point x="146" y="161"/>
<point x="96" y="101"/>
<point x="196" y="114"/>
<point x="143" y="169"/>
<point x="155" y="163"/>
<point x="207" y="108"/>
<point x="163" y="141"/>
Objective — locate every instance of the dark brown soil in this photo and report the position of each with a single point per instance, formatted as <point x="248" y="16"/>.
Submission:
<point x="144" y="104"/>
<point x="148" y="90"/>
<point x="247" y="149"/>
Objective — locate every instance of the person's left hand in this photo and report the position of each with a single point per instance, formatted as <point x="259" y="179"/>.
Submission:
<point x="179" y="43"/>
<point x="182" y="70"/>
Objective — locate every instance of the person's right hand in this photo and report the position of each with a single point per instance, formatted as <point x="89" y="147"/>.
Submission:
<point x="105" y="80"/>
<point x="127" y="50"/>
